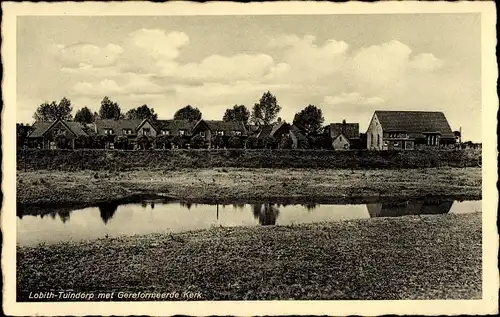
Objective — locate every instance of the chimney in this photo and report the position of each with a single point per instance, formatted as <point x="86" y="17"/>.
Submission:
<point x="343" y="127"/>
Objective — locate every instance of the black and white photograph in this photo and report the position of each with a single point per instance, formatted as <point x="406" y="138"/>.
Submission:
<point x="269" y="157"/>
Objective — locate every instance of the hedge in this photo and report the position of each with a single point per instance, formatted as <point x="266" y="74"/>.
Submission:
<point x="95" y="159"/>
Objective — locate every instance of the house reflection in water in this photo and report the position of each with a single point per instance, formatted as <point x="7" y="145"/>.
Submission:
<point x="265" y="213"/>
<point x="107" y="210"/>
<point x="412" y="207"/>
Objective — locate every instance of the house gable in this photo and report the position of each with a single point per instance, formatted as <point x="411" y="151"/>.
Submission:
<point x="146" y="128"/>
<point x="341" y="142"/>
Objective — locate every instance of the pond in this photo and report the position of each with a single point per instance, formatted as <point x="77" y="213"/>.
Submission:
<point x="111" y="219"/>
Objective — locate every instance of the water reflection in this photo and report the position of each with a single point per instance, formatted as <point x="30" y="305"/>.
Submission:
<point x="265" y="213"/>
<point x="396" y="209"/>
<point x="107" y="211"/>
<point x="113" y="219"/>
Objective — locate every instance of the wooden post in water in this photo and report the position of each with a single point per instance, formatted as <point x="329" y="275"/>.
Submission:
<point x="217" y="211"/>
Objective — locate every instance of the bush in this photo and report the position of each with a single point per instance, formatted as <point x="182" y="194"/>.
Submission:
<point x="218" y="142"/>
<point x="251" y="142"/>
<point x="121" y="142"/>
<point x="98" y="141"/>
<point x="83" y="142"/>
<point x="234" y="142"/>
<point x="286" y="142"/>
<point x="178" y="141"/>
<point x="269" y="142"/>
<point x="163" y="142"/>
<point x="144" y="142"/>
<point x="197" y="142"/>
<point x="61" y="141"/>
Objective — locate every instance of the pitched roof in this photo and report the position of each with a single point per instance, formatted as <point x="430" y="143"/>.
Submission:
<point x="41" y="127"/>
<point x="415" y="122"/>
<point x="297" y="133"/>
<point x="117" y="125"/>
<point x="349" y="130"/>
<point x="227" y="126"/>
<point x="174" y="125"/>
<point x="265" y="130"/>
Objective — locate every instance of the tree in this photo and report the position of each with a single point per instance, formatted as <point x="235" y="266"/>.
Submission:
<point x="84" y="115"/>
<point x="109" y="109"/>
<point x="142" y="112"/>
<point x="237" y="113"/>
<point x="309" y="120"/>
<point x="54" y="111"/>
<point x="197" y="142"/>
<point x="22" y="133"/>
<point x="266" y="110"/>
<point x="188" y="113"/>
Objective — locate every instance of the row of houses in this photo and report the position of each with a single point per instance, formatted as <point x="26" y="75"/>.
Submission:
<point x="387" y="130"/>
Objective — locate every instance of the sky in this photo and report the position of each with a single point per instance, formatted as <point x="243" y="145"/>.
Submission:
<point x="347" y="65"/>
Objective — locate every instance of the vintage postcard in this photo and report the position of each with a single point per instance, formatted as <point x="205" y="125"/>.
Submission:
<point x="249" y="158"/>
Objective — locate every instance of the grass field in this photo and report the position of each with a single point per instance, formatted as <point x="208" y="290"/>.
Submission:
<point x="427" y="257"/>
<point x="236" y="184"/>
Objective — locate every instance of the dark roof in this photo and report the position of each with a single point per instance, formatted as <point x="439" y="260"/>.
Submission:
<point x="117" y="125"/>
<point x="349" y="130"/>
<point x="415" y="122"/>
<point x="265" y="130"/>
<point x="270" y="129"/>
<point x="76" y="127"/>
<point x="298" y="133"/>
<point x="227" y="126"/>
<point x="174" y="125"/>
<point x="41" y="127"/>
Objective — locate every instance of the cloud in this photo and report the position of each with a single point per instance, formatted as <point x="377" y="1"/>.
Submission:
<point x="353" y="98"/>
<point x="308" y="60"/>
<point x="84" y="54"/>
<point x="426" y="62"/>
<point x="221" y="68"/>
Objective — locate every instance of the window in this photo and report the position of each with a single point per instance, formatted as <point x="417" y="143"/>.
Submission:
<point x="126" y="131"/>
<point x="108" y="131"/>
<point x="52" y="145"/>
<point x="237" y="132"/>
<point x="219" y="132"/>
<point x="203" y="134"/>
<point x="165" y="132"/>
<point x="378" y="140"/>
<point x="146" y="131"/>
<point x="340" y="138"/>
<point x="182" y="132"/>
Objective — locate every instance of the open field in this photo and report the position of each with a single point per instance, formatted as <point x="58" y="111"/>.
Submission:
<point x="245" y="184"/>
<point x="426" y="257"/>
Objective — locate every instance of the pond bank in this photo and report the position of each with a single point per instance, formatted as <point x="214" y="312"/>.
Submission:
<point x="424" y="257"/>
<point x="84" y="188"/>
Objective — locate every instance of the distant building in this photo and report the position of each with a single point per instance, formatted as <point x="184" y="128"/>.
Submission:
<point x="55" y="134"/>
<point x="407" y="130"/>
<point x="344" y="135"/>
